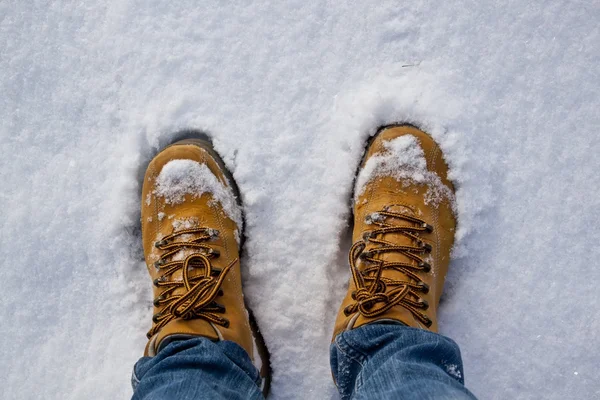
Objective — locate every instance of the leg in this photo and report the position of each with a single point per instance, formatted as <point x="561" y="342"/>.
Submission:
<point x="393" y="361"/>
<point x="385" y="343"/>
<point x="196" y="369"/>
<point x="203" y="342"/>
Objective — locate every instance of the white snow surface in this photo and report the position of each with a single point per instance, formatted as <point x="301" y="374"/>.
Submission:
<point x="404" y="160"/>
<point x="180" y="178"/>
<point x="290" y="91"/>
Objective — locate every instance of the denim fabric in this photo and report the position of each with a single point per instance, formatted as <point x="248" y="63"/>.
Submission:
<point x="196" y="369"/>
<point x="393" y="361"/>
<point x="378" y="361"/>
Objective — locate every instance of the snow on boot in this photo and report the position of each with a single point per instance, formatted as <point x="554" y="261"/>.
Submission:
<point x="403" y="232"/>
<point x="191" y="231"/>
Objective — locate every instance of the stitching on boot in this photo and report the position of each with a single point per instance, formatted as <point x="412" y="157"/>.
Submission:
<point x="436" y="215"/>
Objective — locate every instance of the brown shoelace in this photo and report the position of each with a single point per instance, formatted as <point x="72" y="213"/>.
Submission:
<point x="201" y="289"/>
<point x="377" y="294"/>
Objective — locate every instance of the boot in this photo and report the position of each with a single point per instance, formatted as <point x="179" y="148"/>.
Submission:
<point x="403" y="232"/>
<point x="192" y="232"/>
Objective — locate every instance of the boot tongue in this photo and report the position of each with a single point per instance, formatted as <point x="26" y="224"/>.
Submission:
<point x="184" y="221"/>
<point x="395" y="238"/>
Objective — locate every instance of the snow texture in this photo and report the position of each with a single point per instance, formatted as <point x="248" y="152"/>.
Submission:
<point x="180" y="178"/>
<point x="453" y="370"/>
<point x="290" y="91"/>
<point x="404" y="160"/>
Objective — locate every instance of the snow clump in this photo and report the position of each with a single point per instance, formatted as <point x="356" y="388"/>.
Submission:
<point x="453" y="370"/>
<point x="179" y="178"/>
<point x="404" y="160"/>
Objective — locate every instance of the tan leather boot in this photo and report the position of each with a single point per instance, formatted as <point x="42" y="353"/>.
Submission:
<point x="403" y="232"/>
<point x="191" y="231"/>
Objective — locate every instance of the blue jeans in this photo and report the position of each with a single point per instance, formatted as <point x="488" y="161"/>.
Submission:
<point x="377" y="361"/>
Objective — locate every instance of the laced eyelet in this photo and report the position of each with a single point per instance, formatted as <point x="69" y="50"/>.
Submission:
<point x="219" y="307"/>
<point x="427" y="227"/>
<point x="366" y="254"/>
<point x="425" y="246"/>
<point x="158" y="263"/>
<point x="428" y="322"/>
<point x="160" y="243"/>
<point x="423" y="287"/>
<point x="425" y="266"/>
<point x="366" y="236"/>
<point x="353" y="295"/>
<point x="214" y="252"/>
<point x="424" y="304"/>
<point x="157" y="301"/>
<point x="347" y="311"/>
<point x="155" y="318"/>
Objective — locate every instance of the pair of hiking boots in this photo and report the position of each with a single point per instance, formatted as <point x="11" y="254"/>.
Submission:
<point x="191" y="229"/>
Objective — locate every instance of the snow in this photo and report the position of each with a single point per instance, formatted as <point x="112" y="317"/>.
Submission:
<point x="179" y="179"/>
<point x="404" y="160"/>
<point x="453" y="369"/>
<point x="290" y="91"/>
